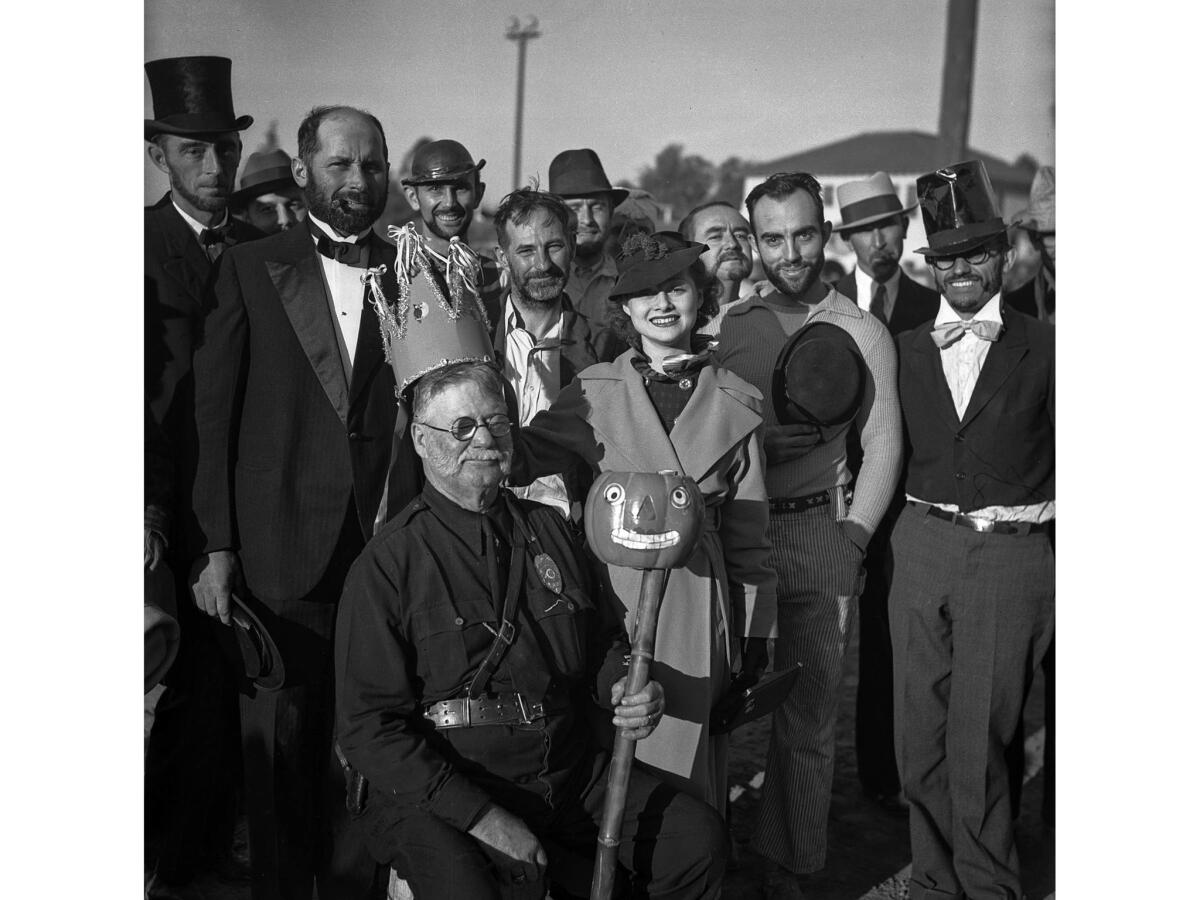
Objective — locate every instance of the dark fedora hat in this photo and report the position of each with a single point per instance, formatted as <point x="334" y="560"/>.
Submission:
<point x="646" y="260"/>
<point x="265" y="173"/>
<point x="959" y="208"/>
<point x="818" y="377"/>
<point x="575" y="173"/>
<point x="192" y="96"/>
<point x="260" y="656"/>
<point x="441" y="161"/>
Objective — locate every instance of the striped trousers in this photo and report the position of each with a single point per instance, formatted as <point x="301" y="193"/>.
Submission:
<point x="820" y="578"/>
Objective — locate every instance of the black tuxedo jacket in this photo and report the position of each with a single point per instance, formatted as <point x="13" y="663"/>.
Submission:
<point x="1002" y="452"/>
<point x="914" y="302"/>
<point x="284" y="440"/>
<point x="178" y="275"/>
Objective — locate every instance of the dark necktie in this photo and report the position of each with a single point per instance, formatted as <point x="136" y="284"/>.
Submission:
<point x="356" y="253"/>
<point x="946" y="334"/>
<point x="879" y="303"/>
<point x="214" y="240"/>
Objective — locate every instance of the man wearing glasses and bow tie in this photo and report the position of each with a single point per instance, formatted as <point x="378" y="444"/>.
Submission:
<point x="972" y="600"/>
<point x="295" y="412"/>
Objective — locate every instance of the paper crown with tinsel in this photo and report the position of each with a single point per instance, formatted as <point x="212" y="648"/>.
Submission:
<point x="436" y="320"/>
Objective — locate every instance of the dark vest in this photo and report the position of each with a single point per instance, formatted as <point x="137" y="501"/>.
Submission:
<point x="1002" y="452"/>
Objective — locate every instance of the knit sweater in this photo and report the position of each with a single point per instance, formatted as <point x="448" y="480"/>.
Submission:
<point x="749" y="341"/>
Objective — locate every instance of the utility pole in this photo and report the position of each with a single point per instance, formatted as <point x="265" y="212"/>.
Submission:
<point x="522" y="36"/>
<point x="958" y="75"/>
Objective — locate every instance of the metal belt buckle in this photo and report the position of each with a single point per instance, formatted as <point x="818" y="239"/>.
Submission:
<point x="526" y="709"/>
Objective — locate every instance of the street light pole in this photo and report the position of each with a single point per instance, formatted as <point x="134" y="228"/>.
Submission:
<point x="522" y="36"/>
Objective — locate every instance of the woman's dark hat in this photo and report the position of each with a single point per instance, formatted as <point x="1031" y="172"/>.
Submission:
<point x="441" y="161"/>
<point x="265" y="173"/>
<point x="818" y="377"/>
<point x="260" y="655"/>
<point x="959" y="208"/>
<point x="646" y="260"/>
<point x="192" y="96"/>
<point x="576" y="173"/>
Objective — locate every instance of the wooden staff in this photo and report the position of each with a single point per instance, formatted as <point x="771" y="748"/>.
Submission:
<point x="645" y="628"/>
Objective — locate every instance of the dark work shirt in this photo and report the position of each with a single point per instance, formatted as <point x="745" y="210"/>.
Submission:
<point x="413" y="628"/>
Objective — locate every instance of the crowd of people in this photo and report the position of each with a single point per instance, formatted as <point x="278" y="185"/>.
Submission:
<point x="368" y="466"/>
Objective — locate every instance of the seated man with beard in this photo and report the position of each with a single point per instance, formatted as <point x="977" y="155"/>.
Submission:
<point x="539" y="338"/>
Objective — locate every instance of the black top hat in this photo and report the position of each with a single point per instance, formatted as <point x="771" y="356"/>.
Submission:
<point x="266" y="172"/>
<point x="192" y="96"/>
<point x="574" y="173"/>
<point x="260" y="655"/>
<point x="441" y="161"/>
<point x="818" y="377"/>
<point x="959" y="208"/>
<point x="649" y="259"/>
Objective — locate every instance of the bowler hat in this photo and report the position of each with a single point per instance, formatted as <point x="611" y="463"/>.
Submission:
<point x="1039" y="218"/>
<point x="646" y="260"/>
<point x="192" y="96"/>
<point x="959" y="208"/>
<point x="441" y="161"/>
<point x="818" y="377"/>
<point x="260" y="656"/>
<point x="265" y="173"/>
<point x="574" y="173"/>
<point x="866" y="202"/>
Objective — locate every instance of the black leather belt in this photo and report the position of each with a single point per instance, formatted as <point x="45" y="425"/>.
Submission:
<point x="799" y="504"/>
<point x="503" y="709"/>
<point x="983" y="526"/>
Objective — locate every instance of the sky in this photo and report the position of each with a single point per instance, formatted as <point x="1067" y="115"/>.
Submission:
<point x="759" y="79"/>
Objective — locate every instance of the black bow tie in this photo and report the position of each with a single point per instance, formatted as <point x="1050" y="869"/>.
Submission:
<point x="211" y="236"/>
<point x="356" y="254"/>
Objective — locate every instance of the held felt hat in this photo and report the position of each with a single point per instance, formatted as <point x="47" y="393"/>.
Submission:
<point x="192" y="96"/>
<point x="866" y="202"/>
<point x="1039" y="218"/>
<point x="161" y="627"/>
<point x="441" y="161"/>
<point x="818" y="377"/>
<point x="260" y="656"/>
<point x="265" y="173"/>
<point x="959" y="208"/>
<point x="646" y="260"/>
<point x="575" y="173"/>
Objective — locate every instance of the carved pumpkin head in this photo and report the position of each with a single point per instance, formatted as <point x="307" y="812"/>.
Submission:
<point x="644" y="520"/>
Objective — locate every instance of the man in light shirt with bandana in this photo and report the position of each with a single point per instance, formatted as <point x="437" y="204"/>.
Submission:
<point x="972" y="600"/>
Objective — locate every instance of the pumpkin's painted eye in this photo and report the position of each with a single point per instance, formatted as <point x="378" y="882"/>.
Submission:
<point x="680" y="498"/>
<point x="614" y="494"/>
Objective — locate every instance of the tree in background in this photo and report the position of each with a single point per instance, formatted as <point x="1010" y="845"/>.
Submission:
<point x="680" y="182"/>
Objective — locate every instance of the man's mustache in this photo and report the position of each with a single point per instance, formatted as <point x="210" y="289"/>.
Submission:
<point x="735" y="253"/>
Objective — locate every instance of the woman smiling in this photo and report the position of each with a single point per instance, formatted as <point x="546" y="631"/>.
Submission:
<point x="664" y="405"/>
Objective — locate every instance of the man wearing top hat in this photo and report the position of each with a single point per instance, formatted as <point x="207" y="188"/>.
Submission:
<point x="445" y="189"/>
<point x="972" y="599"/>
<point x="818" y="532"/>
<point x="875" y="223"/>
<point x="578" y="177"/>
<point x="1036" y="296"/>
<point x="193" y="138"/>
<point x="268" y="197"/>
<point x="296" y="411"/>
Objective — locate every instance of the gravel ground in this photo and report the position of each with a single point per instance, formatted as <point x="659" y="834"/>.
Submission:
<point x="868" y="848"/>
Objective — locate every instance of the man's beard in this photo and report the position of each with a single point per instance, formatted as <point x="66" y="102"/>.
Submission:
<point x="338" y="213"/>
<point x="541" y="288"/>
<point x="592" y="250"/>
<point x="204" y="204"/>
<point x="801" y="277"/>
<point x="432" y="224"/>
